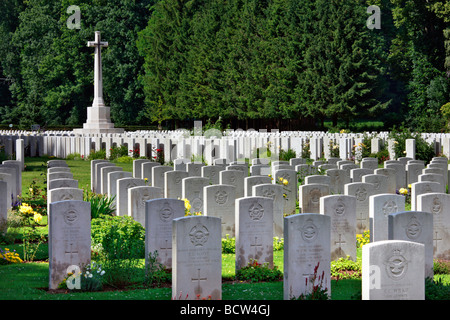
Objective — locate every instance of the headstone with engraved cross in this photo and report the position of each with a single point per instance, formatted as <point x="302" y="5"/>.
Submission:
<point x="159" y="214"/>
<point x="197" y="258"/>
<point x="69" y="238"/>
<point x="254" y="231"/>
<point x="380" y="207"/>
<point x="342" y="211"/>
<point x="362" y="191"/>
<point x="219" y="201"/>
<point x="437" y="204"/>
<point x="306" y="254"/>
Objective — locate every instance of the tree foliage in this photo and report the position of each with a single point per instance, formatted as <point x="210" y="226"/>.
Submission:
<point x="275" y="63"/>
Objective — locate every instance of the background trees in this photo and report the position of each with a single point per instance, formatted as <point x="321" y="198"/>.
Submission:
<point x="286" y="64"/>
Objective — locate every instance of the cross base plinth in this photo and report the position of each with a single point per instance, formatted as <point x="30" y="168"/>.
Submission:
<point x="98" y="121"/>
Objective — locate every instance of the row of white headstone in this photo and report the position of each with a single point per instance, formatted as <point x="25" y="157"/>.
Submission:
<point x="230" y="144"/>
<point x="417" y="225"/>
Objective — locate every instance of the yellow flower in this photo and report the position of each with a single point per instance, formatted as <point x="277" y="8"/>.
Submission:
<point x="187" y="204"/>
<point x="285" y="182"/>
<point x="403" y="191"/>
<point x="409" y="186"/>
<point x="26" y="209"/>
<point x="37" y="217"/>
<point x="281" y="179"/>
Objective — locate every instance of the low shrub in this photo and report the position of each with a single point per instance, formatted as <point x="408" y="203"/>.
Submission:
<point x="97" y="155"/>
<point x="344" y="268"/>
<point x="119" y="241"/>
<point x="255" y="272"/>
<point x="101" y="205"/>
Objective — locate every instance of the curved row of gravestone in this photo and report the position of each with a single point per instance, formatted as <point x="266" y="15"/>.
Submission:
<point x="191" y="246"/>
<point x="218" y="200"/>
<point x="197" y="232"/>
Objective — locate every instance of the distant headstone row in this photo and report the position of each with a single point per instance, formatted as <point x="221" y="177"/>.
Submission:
<point x="231" y="145"/>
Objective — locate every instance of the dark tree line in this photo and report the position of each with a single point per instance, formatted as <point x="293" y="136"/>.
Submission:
<point x="286" y="64"/>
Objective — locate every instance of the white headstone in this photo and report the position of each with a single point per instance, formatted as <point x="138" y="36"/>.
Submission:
<point x="380" y="207"/>
<point x="197" y="258"/>
<point x="306" y="254"/>
<point x="438" y="204"/>
<point x="219" y="201"/>
<point x="69" y="238"/>
<point x="254" y="231"/>
<point x="137" y="196"/>
<point x="393" y="270"/>
<point x="342" y="211"/>
<point x="416" y="226"/>
<point x="159" y="214"/>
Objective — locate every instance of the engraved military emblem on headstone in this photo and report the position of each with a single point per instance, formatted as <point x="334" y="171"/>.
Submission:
<point x="197" y="203"/>
<point x="413" y="228"/>
<point x="130" y="185"/>
<point x="166" y="212"/>
<point x="339" y="208"/>
<point x="389" y="207"/>
<point x="198" y="235"/>
<point x="140" y="201"/>
<point x="221" y="197"/>
<point x="256" y="212"/>
<point x="376" y="184"/>
<point x="70" y="216"/>
<point x="268" y="193"/>
<point x="315" y="197"/>
<point x="436" y="206"/>
<point x="65" y="196"/>
<point x="361" y="194"/>
<point x="178" y="179"/>
<point x="232" y="178"/>
<point x="396" y="265"/>
<point x="309" y="231"/>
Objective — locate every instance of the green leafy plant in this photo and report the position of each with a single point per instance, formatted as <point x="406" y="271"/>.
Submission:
<point x="228" y="244"/>
<point x="345" y="268"/>
<point x="441" y="267"/>
<point x="74" y="156"/>
<point x="100" y="204"/>
<point x="436" y="290"/>
<point x="124" y="159"/>
<point x="286" y="155"/>
<point x="278" y="244"/>
<point x="92" y="277"/>
<point x="156" y="273"/>
<point x="255" y="272"/>
<point x="117" y="152"/>
<point x="119" y="241"/>
<point x="424" y="151"/>
<point x="94" y="155"/>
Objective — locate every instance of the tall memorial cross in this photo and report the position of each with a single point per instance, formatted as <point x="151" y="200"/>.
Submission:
<point x="98" y="76"/>
<point x="98" y="115"/>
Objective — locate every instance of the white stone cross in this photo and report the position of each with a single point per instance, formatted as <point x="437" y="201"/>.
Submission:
<point x="98" y="78"/>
